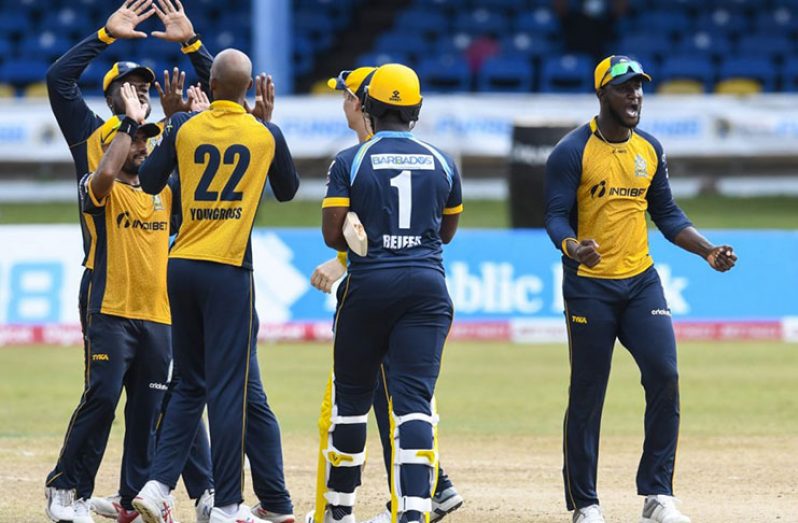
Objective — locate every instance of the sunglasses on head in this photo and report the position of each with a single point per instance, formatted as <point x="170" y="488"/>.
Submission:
<point x="621" y="68"/>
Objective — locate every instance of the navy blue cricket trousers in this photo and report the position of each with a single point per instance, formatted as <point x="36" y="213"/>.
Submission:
<point x="134" y="354"/>
<point x="633" y="311"/>
<point x="197" y="471"/>
<point x="405" y="314"/>
<point x="214" y="328"/>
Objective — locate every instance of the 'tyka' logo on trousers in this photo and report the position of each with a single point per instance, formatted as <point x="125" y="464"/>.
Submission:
<point x="599" y="190"/>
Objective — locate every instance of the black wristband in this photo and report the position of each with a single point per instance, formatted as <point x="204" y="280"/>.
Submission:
<point x="191" y="41"/>
<point x="108" y="32"/>
<point x="128" y="126"/>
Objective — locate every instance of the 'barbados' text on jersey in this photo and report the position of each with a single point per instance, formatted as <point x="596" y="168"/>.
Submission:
<point x="400" y="187"/>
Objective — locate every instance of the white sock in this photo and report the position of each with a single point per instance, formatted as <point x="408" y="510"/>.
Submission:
<point x="230" y="510"/>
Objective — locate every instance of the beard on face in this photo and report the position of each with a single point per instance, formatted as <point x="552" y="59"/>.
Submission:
<point x="622" y="120"/>
<point x="132" y="166"/>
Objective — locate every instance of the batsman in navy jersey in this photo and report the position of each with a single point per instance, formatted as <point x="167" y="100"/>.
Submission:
<point x="394" y="301"/>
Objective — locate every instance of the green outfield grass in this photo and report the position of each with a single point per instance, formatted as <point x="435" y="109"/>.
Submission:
<point x="485" y="389"/>
<point x="705" y="211"/>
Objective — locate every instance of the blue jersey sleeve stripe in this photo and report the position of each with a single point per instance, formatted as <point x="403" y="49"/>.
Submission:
<point x="359" y="159"/>
<point x="446" y="168"/>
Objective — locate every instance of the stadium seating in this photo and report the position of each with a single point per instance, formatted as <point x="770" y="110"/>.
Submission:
<point x="695" y="43"/>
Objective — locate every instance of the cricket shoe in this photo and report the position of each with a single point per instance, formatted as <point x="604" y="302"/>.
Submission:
<point x="204" y="505"/>
<point x="59" y="504"/>
<point x="272" y="517"/>
<point x="107" y="507"/>
<point x="82" y="510"/>
<point x="445" y="502"/>
<point x="244" y="515"/>
<point x="589" y="514"/>
<point x="662" y="509"/>
<point x="153" y="506"/>
<point x="128" y="516"/>
<point x="328" y="518"/>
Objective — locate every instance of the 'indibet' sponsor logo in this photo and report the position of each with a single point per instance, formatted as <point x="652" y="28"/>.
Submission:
<point x="216" y="214"/>
<point x="123" y="221"/>
<point x="422" y="162"/>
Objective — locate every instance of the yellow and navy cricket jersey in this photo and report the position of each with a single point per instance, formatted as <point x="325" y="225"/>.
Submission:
<point x="400" y="188"/>
<point x="128" y="251"/>
<point x="83" y="128"/>
<point x="601" y="191"/>
<point x="223" y="158"/>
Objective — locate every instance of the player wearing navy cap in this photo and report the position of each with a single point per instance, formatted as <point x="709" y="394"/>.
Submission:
<point x="445" y="499"/>
<point x="83" y="131"/>
<point x="600" y="181"/>
<point x="393" y="302"/>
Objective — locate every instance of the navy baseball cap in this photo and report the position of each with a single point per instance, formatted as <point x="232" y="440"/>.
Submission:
<point x="122" y="69"/>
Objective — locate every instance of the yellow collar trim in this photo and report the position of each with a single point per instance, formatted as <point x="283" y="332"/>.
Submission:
<point x="227" y="106"/>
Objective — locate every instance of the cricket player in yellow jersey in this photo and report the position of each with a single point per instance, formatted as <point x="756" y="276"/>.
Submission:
<point x="223" y="158"/>
<point x="600" y="181"/>
<point x="128" y="334"/>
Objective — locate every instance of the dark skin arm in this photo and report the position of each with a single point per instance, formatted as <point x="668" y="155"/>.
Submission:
<point x="102" y="181"/>
<point x="449" y="227"/>
<point x="721" y="257"/>
<point x="332" y="227"/>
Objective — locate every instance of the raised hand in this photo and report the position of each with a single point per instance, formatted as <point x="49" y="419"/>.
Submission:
<point x="197" y="98"/>
<point x="722" y="258"/>
<point x="264" y="98"/>
<point x="171" y="93"/>
<point x="177" y="26"/>
<point x="133" y="106"/>
<point x="122" y="23"/>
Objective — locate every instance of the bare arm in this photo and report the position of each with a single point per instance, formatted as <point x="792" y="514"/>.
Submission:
<point x="332" y="227"/>
<point x="114" y="158"/>
<point x="449" y="224"/>
<point x="721" y="257"/>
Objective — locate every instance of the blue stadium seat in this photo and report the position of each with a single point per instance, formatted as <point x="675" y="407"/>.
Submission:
<point x="756" y="67"/>
<point x="23" y="72"/>
<point x="505" y="73"/>
<point x="445" y="73"/>
<point x="688" y="67"/>
<point x="707" y="43"/>
<point x="774" y="46"/>
<point x="414" y="45"/>
<point x="14" y="23"/>
<point x="651" y="45"/>
<point x="6" y="49"/>
<point x="452" y="44"/>
<point x="723" y="20"/>
<point x="541" y="21"/>
<point x="46" y="46"/>
<point x="526" y="44"/>
<point x="377" y="59"/>
<point x="566" y="74"/>
<point x="481" y="21"/>
<point x="430" y="22"/>
<point x="781" y="20"/>
<point x="66" y="20"/>
<point x="663" y="22"/>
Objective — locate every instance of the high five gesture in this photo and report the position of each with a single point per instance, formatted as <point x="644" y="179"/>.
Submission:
<point x="122" y="23"/>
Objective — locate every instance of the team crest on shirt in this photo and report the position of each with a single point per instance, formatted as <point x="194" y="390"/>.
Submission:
<point x="156" y="202"/>
<point x="641" y="167"/>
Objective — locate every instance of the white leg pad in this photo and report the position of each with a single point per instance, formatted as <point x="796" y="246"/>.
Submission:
<point x="407" y="503"/>
<point x="340" y="499"/>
